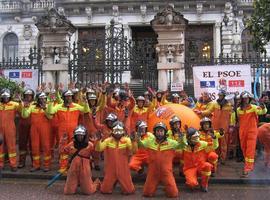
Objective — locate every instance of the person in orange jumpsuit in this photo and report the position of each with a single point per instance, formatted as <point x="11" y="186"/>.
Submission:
<point x="88" y="121"/>
<point x="221" y="111"/>
<point x="40" y="132"/>
<point x="161" y="97"/>
<point x="123" y="108"/>
<point x="203" y="103"/>
<point x="161" y="153"/>
<point x="54" y="97"/>
<point x="175" y="98"/>
<point x="174" y="133"/>
<point x="106" y="129"/>
<point x="210" y="136"/>
<point x="140" y="112"/>
<point x="264" y="139"/>
<point x="248" y="120"/>
<point x="148" y="99"/>
<point x="24" y="129"/>
<point x="195" y="160"/>
<point x="117" y="149"/>
<point x="8" y="111"/>
<point x="140" y="158"/>
<point x="67" y="114"/>
<point x="79" y="173"/>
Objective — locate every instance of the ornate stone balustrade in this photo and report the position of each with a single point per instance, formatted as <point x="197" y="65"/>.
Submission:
<point x="246" y="2"/>
<point x="8" y="6"/>
<point x="18" y="6"/>
<point x="42" y="4"/>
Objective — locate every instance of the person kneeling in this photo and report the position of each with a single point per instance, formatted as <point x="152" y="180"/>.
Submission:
<point x="79" y="173"/>
<point x="195" y="160"/>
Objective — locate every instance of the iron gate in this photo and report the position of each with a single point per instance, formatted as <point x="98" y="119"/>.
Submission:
<point x="99" y="60"/>
<point x="34" y="61"/>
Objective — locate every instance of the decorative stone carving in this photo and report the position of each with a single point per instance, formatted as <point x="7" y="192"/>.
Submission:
<point x="228" y="7"/>
<point x="101" y="9"/>
<point x="76" y="11"/>
<point x="34" y="18"/>
<point x="170" y="50"/>
<point x="168" y="16"/>
<point x="186" y="6"/>
<point x="27" y="32"/>
<point x="53" y="20"/>
<point x="115" y="11"/>
<point x="156" y="8"/>
<point x="212" y="6"/>
<point x="9" y="28"/>
<point x="170" y="26"/>
<point x="199" y="8"/>
<point x="17" y="19"/>
<point x="61" y="11"/>
<point x="179" y="49"/>
<point x="89" y="13"/>
<point x="143" y="9"/>
<point x="130" y="8"/>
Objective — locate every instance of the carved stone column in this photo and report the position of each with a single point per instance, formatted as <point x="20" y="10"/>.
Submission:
<point x="56" y="30"/>
<point x="170" y="26"/>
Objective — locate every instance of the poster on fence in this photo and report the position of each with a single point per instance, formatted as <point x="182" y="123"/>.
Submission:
<point x="232" y="78"/>
<point x="29" y="76"/>
<point x="176" y="87"/>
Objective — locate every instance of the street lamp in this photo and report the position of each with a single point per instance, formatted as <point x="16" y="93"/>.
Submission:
<point x="225" y="20"/>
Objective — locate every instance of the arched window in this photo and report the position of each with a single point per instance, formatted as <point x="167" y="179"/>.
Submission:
<point x="10" y="46"/>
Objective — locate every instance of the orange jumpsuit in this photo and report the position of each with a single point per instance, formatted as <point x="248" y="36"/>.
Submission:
<point x="40" y="134"/>
<point x="116" y="154"/>
<point x="221" y="119"/>
<point x="195" y="163"/>
<point x="67" y="120"/>
<point x="24" y="138"/>
<point x="54" y="133"/>
<point x="54" y="124"/>
<point x="88" y="123"/>
<point x="202" y="107"/>
<point x="248" y="131"/>
<point x="120" y="111"/>
<point x="213" y="144"/>
<point x="79" y="173"/>
<point x="264" y="138"/>
<point x="140" y="114"/>
<point x="178" y="157"/>
<point x="160" y="166"/>
<point x="8" y="130"/>
<point x="141" y="156"/>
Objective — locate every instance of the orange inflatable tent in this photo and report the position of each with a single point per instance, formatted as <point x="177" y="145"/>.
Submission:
<point x="166" y="112"/>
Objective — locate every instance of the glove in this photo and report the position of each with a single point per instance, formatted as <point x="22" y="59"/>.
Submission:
<point x="212" y="134"/>
<point x="221" y="131"/>
<point x="132" y="136"/>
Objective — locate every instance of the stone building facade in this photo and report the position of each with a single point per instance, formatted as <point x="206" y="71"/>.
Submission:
<point x="212" y="28"/>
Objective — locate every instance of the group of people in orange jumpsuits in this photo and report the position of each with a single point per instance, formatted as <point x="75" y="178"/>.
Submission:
<point x="87" y="124"/>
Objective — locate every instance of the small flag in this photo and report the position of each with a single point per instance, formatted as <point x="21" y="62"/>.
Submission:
<point x="207" y="84"/>
<point x="14" y="75"/>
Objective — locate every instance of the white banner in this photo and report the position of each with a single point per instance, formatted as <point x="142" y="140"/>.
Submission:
<point x="28" y="76"/>
<point x="176" y="87"/>
<point x="232" y="78"/>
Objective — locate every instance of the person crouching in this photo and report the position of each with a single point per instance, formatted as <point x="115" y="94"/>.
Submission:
<point x="79" y="173"/>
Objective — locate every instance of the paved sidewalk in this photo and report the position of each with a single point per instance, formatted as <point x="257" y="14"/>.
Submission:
<point x="227" y="174"/>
